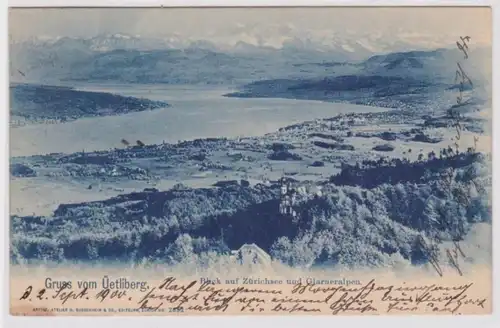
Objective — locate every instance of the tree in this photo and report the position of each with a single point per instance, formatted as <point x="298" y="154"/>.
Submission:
<point x="181" y="250"/>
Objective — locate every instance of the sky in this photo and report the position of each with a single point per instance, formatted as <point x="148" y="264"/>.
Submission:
<point x="258" y="25"/>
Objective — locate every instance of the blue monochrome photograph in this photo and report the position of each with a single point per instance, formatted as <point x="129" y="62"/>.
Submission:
<point x="251" y="142"/>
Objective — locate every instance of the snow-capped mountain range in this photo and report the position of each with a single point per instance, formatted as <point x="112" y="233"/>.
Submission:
<point x="324" y="41"/>
<point x="221" y="60"/>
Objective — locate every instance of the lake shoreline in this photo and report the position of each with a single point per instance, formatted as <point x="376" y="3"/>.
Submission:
<point x="192" y="114"/>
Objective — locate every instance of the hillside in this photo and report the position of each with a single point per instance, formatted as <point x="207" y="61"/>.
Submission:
<point x="198" y="63"/>
<point x="347" y="225"/>
<point x="410" y="80"/>
<point x="42" y="102"/>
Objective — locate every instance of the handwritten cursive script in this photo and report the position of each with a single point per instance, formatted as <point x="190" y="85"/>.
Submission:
<point x="172" y="295"/>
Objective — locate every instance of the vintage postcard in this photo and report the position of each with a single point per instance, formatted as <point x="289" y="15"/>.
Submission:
<point x="250" y="161"/>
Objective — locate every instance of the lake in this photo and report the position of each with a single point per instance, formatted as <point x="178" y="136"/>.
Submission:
<point x="195" y="112"/>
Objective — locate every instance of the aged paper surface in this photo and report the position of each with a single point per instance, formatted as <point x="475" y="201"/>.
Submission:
<point x="251" y="161"/>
